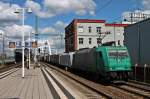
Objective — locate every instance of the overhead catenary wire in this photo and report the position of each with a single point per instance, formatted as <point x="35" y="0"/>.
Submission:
<point x="101" y="6"/>
<point x="119" y="18"/>
<point x="104" y="6"/>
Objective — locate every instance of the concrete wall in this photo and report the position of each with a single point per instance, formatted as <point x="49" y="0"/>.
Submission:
<point x="137" y="38"/>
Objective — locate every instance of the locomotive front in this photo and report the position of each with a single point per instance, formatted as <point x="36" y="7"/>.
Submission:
<point x="119" y="63"/>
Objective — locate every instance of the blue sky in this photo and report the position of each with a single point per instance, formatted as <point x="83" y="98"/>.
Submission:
<point x="109" y="10"/>
<point x="54" y="15"/>
<point x="118" y="6"/>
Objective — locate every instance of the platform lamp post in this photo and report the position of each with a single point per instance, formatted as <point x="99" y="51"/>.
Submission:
<point x="30" y="47"/>
<point x="23" y="10"/>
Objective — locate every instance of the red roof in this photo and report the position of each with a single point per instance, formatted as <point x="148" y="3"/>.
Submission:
<point x="117" y="25"/>
<point x="89" y="21"/>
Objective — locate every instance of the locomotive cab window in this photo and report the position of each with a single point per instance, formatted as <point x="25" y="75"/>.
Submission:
<point x="118" y="54"/>
<point x="123" y="54"/>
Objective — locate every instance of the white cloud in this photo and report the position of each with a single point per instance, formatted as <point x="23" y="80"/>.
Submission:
<point x="7" y="15"/>
<point x="59" y="25"/>
<point x="14" y="33"/>
<point x="48" y="30"/>
<point x="16" y="30"/>
<point x="57" y="28"/>
<point x="146" y="4"/>
<point x="55" y="7"/>
<point x="8" y="24"/>
<point x="55" y="35"/>
<point x="146" y="10"/>
<point x="37" y="9"/>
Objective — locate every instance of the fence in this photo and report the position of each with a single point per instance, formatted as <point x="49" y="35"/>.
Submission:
<point x="142" y="73"/>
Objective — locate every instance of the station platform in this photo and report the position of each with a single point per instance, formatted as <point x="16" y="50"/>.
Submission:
<point x="32" y="86"/>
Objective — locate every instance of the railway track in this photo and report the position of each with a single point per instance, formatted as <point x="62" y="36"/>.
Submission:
<point x="139" y="83"/>
<point x="71" y="88"/>
<point x="104" y="91"/>
<point x="8" y="67"/>
<point x="5" y="72"/>
<point x="133" y="88"/>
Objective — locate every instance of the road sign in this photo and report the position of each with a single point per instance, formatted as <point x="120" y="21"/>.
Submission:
<point x="27" y="44"/>
<point x="18" y="44"/>
<point x="12" y="44"/>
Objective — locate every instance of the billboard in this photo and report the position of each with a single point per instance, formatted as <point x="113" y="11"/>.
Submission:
<point x="19" y="45"/>
<point x="12" y="44"/>
<point x="34" y="45"/>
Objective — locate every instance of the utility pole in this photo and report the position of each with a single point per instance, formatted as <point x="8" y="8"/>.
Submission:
<point x="61" y="37"/>
<point x="36" y="52"/>
<point x="36" y="28"/>
<point x="102" y="35"/>
<point x="3" y="58"/>
<point x="3" y="62"/>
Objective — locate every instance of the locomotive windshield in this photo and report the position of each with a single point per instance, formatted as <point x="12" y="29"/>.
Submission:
<point x="118" y="53"/>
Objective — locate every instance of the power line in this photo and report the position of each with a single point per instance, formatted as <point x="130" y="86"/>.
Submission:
<point x="128" y="10"/>
<point x="104" y="6"/>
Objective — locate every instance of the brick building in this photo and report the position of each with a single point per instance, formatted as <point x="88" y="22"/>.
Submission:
<point x="83" y="33"/>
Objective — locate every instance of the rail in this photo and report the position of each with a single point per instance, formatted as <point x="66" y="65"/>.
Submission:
<point x="10" y="71"/>
<point x="105" y="91"/>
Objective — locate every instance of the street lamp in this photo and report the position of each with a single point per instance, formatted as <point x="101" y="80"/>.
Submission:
<point x="23" y="10"/>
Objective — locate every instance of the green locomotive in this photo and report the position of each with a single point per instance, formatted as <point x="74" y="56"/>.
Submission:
<point x="108" y="62"/>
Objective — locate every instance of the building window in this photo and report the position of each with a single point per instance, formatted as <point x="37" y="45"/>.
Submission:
<point x="98" y="29"/>
<point x="80" y="29"/>
<point x="119" y="42"/>
<point x="90" y="40"/>
<point x="80" y="40"/>
<point x="98" y="40"/>
<point x="90" y="29"/>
